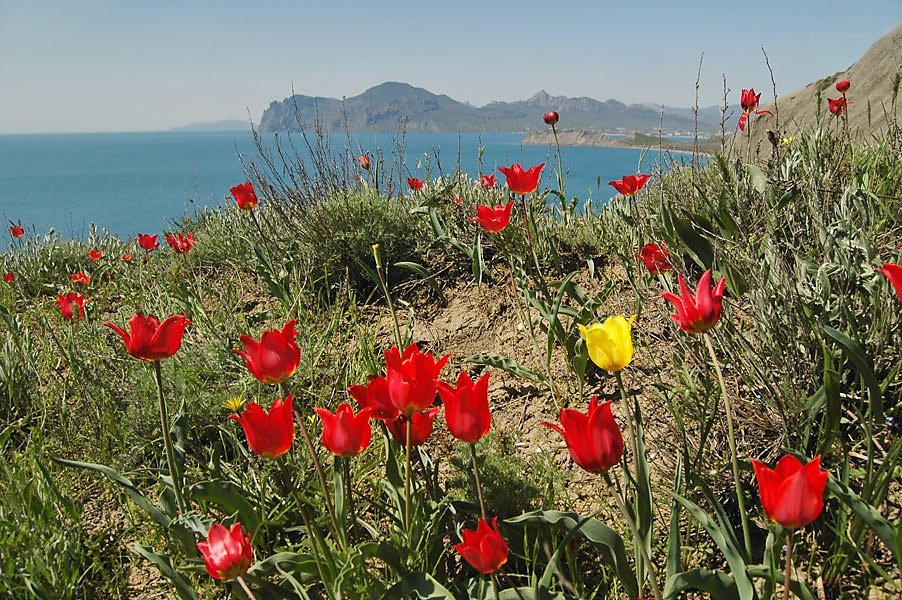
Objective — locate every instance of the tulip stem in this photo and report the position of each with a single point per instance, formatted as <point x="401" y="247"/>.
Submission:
<point x="637" y="538"/>
<point x="787" y="577"/>
<point x="731" y="438"/>
<point x="319" y="469"/>
<point x="246" y="589"/>
<point x="407" y="517"/>
<point x="478" y="482"/>
<point x="167" y="441"/>
<point x="377" y="257"/>
<point x="511" y="583"/>
<point x="494" y="581"/>
<point x="560" y="171"/>
<point x="631" y="432"/>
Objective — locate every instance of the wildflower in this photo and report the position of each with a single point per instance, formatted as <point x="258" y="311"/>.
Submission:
<point x="148" y="242"/>
<point x="494" y="218"/>
<point x="420" y="426"/>
<point x="345" y="434"/>
<point x="9" y="277"/>
<point x="126" y="256"/>
<point x="148" y="339"/>
<point x="786" y="141"/>
<point x="275" y="357"/>
<point x="610" y="345"/>
<point x="375" y="396"/>
<point x="487" y="181"/>
<point x="894" y="274"/>
<point x="842" y="86"/>
<point x="749" y="101"/>
<point x="520" y="181"/>
<point x="364" y="162"/>
<point x="17" y="231"/>
<point x="837" y="107"/>
<point x="412" y="378"/>
<point x="415" y="184"/>
<point x="551" y="118"/>
<point x="244" y="195"/>
<point x="593" y="439"/>
<point x="95" y="254"/>
<point x="227" y="552"/>
<point x="234" y="404"/>
<point x="630" y="185"/>
<point x="656" y="258"/>
<point x="80" y="278"/>
<point x="792" y="494"/>
<point x="700" y="312"/>
<point x="181" y="244"/>
<point x="269" y="434"/>
<point x="72" y="305"/>
<point x="467" y="407"/>
<point x="484" y="549"/>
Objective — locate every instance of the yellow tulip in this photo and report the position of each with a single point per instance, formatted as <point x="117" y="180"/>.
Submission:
<point x="609" y="343"/>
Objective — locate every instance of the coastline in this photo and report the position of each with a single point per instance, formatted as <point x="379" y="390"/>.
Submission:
<point x="637" y="141"/>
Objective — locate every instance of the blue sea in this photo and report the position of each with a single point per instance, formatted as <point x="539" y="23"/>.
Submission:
<point x="128" y="183"/>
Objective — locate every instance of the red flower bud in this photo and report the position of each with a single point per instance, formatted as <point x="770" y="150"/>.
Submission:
<point x="412" y="378"/>
<point x="520" y="181"/>
<point x="69" y="304"/>
<point x="9" y="277"/>
<point x="17" y="231"/>
<point x="484" y="549"/>
<point x="148" y="242"/>
<point x="126" y="256"/>
<point x="894" y="274"/>
<point x="345" y="434"/>
<point x="81" y="278"/>
<point x="227" y="552"/>
<point x="700" y="312"/>
<point x="630" y="185"/>
<point x="148" y="339"/>
<point x="494" y="218"/>
<point x="181" y="244"/>
<point x="275" y="357"/>
<point x="467" y="407"/>
<point x="593" y="438"/>
<point x="842" y="86"/>
<point x="791" y="495"/>
<point x="365" y="162"/>
<point x="269" y="434"/>
<point x="420" y="426"/>
<point x="551" y="118"/>
<point x="415" y="184"/>
<point x="656" y="258"/>
<point x="95" y="254"/>
<point x="244" y="195"/>
<point x="487" y="181"/>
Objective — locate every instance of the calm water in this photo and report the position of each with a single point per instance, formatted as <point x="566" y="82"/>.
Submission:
<point x="140" y="182"/>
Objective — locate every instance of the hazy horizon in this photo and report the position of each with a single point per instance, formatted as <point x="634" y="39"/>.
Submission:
<point x="107" y="66"/>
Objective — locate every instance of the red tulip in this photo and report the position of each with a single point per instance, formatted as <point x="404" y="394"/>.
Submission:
<point x="749" y="100"/>
<point x="365" y="162"/>
<point x="227" y="552"/>
<point x="9" y="277"/>
<point x="894" y="274"/>
<point x="95" y="254"/>
<point x="68" y="305"/>
<point x="791" y="495"/>
<point x="126" y="256"/>
<point x="345" y="434"/>
<point x="415" y="184"/>
<point x="700" y="312"/>
<point x="17" y="231"/>
<point x="494" y="218"/>
<point x="275" y="357"/>
<point x="630" y="185"/>
<point x="520" y="181"/>
<point x="420" y="426"/>
<point x="842" y="86"/>
<point x="593" y="438"/>
<point x="148" y="242"/>
<point x="181" y="244"/>
<point x="82" y="278"/>
<point x="487" y="181"/>
<point x="269" y="434"/>
<point x="484" y="549"/>
<point x="412" y="378"/>
<point x="244" y="195"/>
<point x="374" y="396"/>
<point x="656" y="258"/>
<point x="148" y="339"/>
<point x="551" y="118"/>
<point x="837" y="107"/>
<point x="467" y="407"/>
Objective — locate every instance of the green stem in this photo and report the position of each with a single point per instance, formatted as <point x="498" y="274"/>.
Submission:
<point x="346" y="473"/>
<point x="637" y="538"/>
<point x="631" y="431"/>
<point x="478" y="483"/>
<point x="407" y="517"/>
<point x="167" y="441"/>
<point x="731" y="437"/>
<point x="377" y="256"/>
<point x="560" y="170"/>
<point x="787" y="577"/>
<point x="494" y="581"/>
<point x="511" y="583"/>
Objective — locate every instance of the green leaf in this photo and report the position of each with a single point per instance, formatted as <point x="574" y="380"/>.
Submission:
<point x="608" y="541"/>
<point x="414" y="267"/>
<point x="230" y="498"/>
<point x="525" y="593"/>
<point x="757" y="178"/>
<point x="889" y="534"/>
<point x="832" y="403"/>
<point x="184" y="589"/>
<point x="698" y="245"/>
<point x="719" y="586"/>
<point x="418" y="585"/>
<point x="855" y="353"/>
<point x="509" y="365"/>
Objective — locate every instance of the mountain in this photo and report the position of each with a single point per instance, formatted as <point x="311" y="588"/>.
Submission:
<point x="224" y="125"/>
<point x="392" y="106"/>
<point x="875" y="78"/>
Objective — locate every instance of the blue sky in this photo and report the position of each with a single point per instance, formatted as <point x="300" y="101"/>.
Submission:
<point x="129" y="65"/>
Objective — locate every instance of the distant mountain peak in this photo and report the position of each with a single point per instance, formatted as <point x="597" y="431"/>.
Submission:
<point x="540" y="97"/>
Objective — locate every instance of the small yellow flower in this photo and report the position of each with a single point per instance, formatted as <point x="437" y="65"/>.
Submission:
<point x="234" y="404"/>
<point x="609" y="343"/>
<point x="787" y="140"/>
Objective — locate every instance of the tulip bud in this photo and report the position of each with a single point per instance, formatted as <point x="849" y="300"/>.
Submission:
<point x="551" y="118"/>
<point x="843" y="86"/>
<point x="365" y="162"/>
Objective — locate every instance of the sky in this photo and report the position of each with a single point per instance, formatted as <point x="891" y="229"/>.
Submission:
<point x="131" y="65"/>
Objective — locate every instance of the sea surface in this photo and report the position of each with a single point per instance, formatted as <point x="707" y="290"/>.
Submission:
<point x="130" y="183"/>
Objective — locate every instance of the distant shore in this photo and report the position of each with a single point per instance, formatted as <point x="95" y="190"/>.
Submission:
<point x="641" y="141"/>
